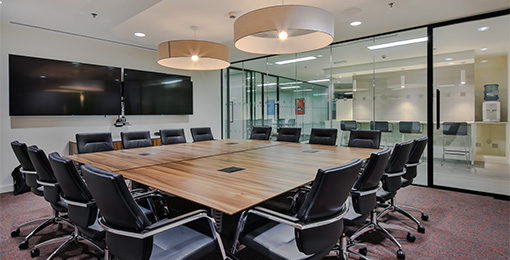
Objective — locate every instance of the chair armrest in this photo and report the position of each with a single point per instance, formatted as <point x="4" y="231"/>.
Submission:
<point x="413" y="164"/>
<point x="395" y="174"/>
<point x="47" y="184"/>
<point x="157" y="227"/>
<point x="367" y="192"/>
<point x="27" y="172"/>
<point x="79" y="204"/>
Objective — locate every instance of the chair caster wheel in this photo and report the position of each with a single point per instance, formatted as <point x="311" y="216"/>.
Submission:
<point x="401" y="254"/>
<point x="15" y="233"/>
<point x="35" y="252"/>
<point x="363" y="251"/>
<point x="23" y="245"/>
<point x="410" y="237"/>
<point x="421" y="229"/>
<point x="424" y="217"/>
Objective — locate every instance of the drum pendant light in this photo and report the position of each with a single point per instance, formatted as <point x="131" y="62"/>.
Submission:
<point x="284" y="29"/>
<point x="193" y="55"/>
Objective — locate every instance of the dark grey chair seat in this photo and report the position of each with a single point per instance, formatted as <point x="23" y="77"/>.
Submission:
<point x="135" y="139"/>
<point x="260" y="133"/>
<point x="289" y="134"/>
<point x="172" y="136"/>
<point x="201" y="134"/>
<point x="94" y="142"/>
<point x="326" y="136"/>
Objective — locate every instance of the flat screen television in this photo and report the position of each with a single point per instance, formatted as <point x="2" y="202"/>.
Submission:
<point x="152" y="93"/>
<point x="44" y="87"/>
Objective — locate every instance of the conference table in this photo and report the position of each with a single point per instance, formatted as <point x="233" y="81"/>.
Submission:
<point x="227" y="175"/>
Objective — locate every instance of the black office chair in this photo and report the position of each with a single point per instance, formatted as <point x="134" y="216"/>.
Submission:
<point x="289" y="134"/>
<point x="409" y="127"/>
<point x="135" y="139"/>
<point x="365" y="139"/>
<point x="291" y="122"/>
<point x="392" y="180"/>
<point x="201" y="134"/>
<point x="347" y="126"/>
<point x="362" y="202"/>
<point x="94" y="142"/>
<point x="454" y="129"/>
<point x="31" y="179"/>
<point x="326" y="136"/>
<point x="81" y="207"/>
<point x="260" y="133"/>
<point x="383" y="126"/>
<point x="172" y="136"/>
<point x="418" y="146"/>
<point x="316" y="227"/>
<point x="130" y="234"/>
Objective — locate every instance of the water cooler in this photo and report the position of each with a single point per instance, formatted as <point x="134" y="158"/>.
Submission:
<point x="491" y="106"/>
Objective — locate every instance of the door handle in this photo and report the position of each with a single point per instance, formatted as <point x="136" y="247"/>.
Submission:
<point x="438" y="109"/>
<point x="231" y="105"/>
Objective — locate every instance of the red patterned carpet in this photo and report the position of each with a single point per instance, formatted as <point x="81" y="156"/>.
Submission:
<point x="461" y="226"/>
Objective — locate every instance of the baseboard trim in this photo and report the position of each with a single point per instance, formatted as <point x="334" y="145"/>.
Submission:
<point x="6" y="188"/>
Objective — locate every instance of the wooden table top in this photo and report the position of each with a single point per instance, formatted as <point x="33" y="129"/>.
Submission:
<point x="266" y="171"/>
<point x="148" y="156"/>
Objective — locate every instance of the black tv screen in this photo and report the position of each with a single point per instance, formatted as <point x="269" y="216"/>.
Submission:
<point x="50" y="87"/>
<point x="152" y="93"/>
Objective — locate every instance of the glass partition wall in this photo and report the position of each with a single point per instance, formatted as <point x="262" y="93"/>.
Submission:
<point x="381" y="83"/>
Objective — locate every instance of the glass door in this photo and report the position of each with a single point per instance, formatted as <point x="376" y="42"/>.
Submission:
<point x="471" y="132"/>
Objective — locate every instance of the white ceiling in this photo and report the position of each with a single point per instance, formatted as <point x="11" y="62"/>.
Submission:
<point x="163" y="20"/>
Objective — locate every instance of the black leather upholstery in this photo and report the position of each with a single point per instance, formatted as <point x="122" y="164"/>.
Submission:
<point x="365" y="138"/>
<point x="396" y="164"/>
<point x="201" y="134"/>
<point x="409" y="127"/>
<point x="172" y="136"/>
<point x="289" y="134"/>
<point x="135" y="139"/>
<point x="382" y="126"/>
<point x="119" y="211"/>
<point x="45" y="174"/>
<point x="94" y="142"/>
<point x="325" y="200"/>
<point x="455" y="128"/>
<point x="260" y="132"/>
<point x="414" y="158"/>
<point x="361" y="206"/>
<point x="21" y="152"/>
<point x="326" y="136"/>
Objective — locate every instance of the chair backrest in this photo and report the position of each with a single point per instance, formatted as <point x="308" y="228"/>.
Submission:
<point x="414" y="157"/>
<point x="21" y="152"/>
<point x="201" y="134"/>
<point x="120" y="211"/>
<point x="260" y="133"/>
<point x="45" y="174"/>
<point x="455" y="128"/>
<point x="396" y="164"/>
<point x="369" y="180"/>
<point x="73" y="189"/>
<point x="289" y="134"/>
<point x="94" y="142"/>
<point x="172" y="136"/>
<point x="326" y="199"/>
<point x="383" y="126"/>
<point x="409" y="127"/>
<point x="365" y="138"/>
<point x="135" y="139"/>
<point x="291" y="122"/>
<point x="325" y="136"/>
<point x="346" y="125"/>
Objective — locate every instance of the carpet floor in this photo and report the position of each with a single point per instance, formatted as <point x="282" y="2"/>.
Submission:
<point x="461" y="226"/>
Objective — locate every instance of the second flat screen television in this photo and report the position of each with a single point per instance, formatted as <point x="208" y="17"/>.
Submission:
<point x="152" y="93"/>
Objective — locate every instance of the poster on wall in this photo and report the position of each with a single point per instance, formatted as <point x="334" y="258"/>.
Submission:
<point x="300" y="106"/>
<point x="270" y="107"/>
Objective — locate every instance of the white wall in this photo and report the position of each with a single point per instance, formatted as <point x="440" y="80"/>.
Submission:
<point x="53" y="133"/>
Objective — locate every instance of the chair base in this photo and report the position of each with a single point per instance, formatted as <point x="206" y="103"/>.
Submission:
<point x="393" y="207"/>
<point x="75" y="237"/>
<point x="56" y="219"/>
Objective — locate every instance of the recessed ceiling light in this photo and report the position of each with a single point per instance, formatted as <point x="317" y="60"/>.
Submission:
<point x="355" y="23"/>
<point x="484" y="49"/>
<point x="483" y="29"/>
<point x="318" y="80"/>
<point x="139" y="34"/>
<point x="399" y="43"/>
<point x="484" y="61"/>
<point x="448" y="59"/>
